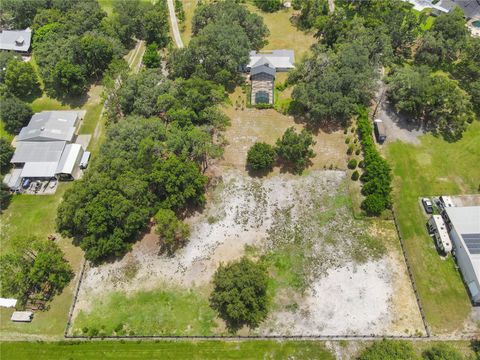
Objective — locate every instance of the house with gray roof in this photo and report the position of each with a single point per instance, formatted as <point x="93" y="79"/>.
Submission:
<point x="263" y="67"/>
<point x="16" y="40"/>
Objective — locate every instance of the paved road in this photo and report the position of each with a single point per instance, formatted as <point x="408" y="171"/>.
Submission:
<point x="174" y="22"/>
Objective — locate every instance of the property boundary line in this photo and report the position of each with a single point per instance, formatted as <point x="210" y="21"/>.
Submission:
<point x="410" y="275"/>
<point x="74" y="301"/>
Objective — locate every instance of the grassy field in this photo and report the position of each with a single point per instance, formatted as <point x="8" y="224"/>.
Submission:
<point x="160" y="312"/>
<point x="434" y="168"/>
<point x="186" y="27"/>
<point x="283" y="34"/>
<point x="167" y="350"/>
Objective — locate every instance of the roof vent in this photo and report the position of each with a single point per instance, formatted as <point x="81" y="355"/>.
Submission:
<point x="19" y="41"/>
<point x="42" y="128"/>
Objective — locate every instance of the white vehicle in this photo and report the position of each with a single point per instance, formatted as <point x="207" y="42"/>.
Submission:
<point x="84" y="160"/>
<point x="437" y="227"/>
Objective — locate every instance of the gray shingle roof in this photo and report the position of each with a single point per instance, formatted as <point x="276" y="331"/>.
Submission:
<point x="16" y="40"/>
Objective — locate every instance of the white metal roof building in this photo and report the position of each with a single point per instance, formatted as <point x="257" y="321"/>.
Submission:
<point x="16" y="40"/>
<point x="37" y="151"/>
<point x="281" y="60"/>
<point x="50" y="126"/>
<point x="70" y="160"/>
<point x="464" y="225"/>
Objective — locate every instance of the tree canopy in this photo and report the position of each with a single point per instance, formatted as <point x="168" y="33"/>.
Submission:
<point x="295" y="149"/>
<point x="34" y="266"/>
<point x="240" y="294"/>
<point x="6" y="153"/>
<point x="21" y="79"/>
<point x="261" y="157"/>
<point x="173" y="232"/>
<point x="14" y="113"/>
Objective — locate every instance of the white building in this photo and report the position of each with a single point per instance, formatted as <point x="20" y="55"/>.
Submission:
<point x="16" y="40"/>
<point x="464" y="224"/>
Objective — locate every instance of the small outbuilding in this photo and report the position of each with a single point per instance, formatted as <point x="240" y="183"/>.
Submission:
<point x="8" y="302"/>
<point x="22" y="316"/>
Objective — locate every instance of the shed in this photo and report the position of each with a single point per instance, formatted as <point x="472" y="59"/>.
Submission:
<point x="8" y="302"/>
<point x="22" y="316"/>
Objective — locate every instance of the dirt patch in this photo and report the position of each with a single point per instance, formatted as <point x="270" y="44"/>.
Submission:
<point x="252" y="125"/>
<point x="398" y="126"/>
<point x="345" y="287"/>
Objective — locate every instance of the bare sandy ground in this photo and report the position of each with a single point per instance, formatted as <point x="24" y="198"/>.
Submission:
<point x="342" y="297"/>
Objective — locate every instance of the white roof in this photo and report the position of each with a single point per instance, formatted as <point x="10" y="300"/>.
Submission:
<point x="466" y="221"/>
<point x="6" y="302"/>
<point x="38" y="151"/>
<point x="17" y="40"/>
<point x="69" y="159"/>
<point x="280" y="59"/>
<point x="22" y="316"/>
<point x="39" y="169"/>
<point x="50" y="126"/>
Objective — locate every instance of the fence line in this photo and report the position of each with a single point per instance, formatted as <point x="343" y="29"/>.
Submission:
<point x="74" y="301"/>
<point x="410" y="274"/>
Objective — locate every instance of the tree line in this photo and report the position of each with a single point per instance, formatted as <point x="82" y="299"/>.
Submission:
<point x="434" y="74"/>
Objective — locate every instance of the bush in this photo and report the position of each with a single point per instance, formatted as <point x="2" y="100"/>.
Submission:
<point x="352" y="164"/>
<point x="361" y="164"/>
<point x="14" y="113"/>
<point x="374" y="204"/>
<point x="389" y="350"/>
<point x="355" y="175"/>
<point x="268" y="5"/>
<point x="172" y="231"/>
<point x="6" y="153"/>
<point x="21" y="79"/>
<point x="263" y="106"/>
<point x="442" y="351"/>
<point x="357" y="152"/>
<point x="350" y="149"/>
<point x="261" y="157"/>
<point x="240" y="294"/>
<point x="347" y="140"/>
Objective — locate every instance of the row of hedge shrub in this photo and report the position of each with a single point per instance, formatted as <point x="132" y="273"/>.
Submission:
<point x="377" y="176"/>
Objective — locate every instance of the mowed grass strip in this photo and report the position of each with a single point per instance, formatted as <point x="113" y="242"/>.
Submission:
<point x="158" y="312"/>
<point x="434" y="168"/>
<point x="132" y="350"/>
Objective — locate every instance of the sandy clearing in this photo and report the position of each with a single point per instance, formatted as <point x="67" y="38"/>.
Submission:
<point x="342" y="297"/>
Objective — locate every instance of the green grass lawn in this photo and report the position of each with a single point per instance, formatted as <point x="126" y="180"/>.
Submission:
<point x="158" y="312"/>
<point x="283" y="34"/>
<point x="434" y="168"/>
<point x="165" y="350"/>
<point x="34" y="215"/>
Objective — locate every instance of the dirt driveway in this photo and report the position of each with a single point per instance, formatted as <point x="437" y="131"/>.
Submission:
<point x="398" y="126"/>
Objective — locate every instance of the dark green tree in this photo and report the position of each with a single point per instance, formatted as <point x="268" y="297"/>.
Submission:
<point x="261" y="157"/>
<point x="240" y="294"/>
<point x="21" y="79"/>
<point x="231" y="12"/>
<point x="68" y="79"/>
<point x="268" y="5"/>
<point x="151" y="58"/>
<point x="14" y="113"/>
<point x="295" y="149"/>
<point x="32" y="266"/>
<point x="179" y="183"/>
